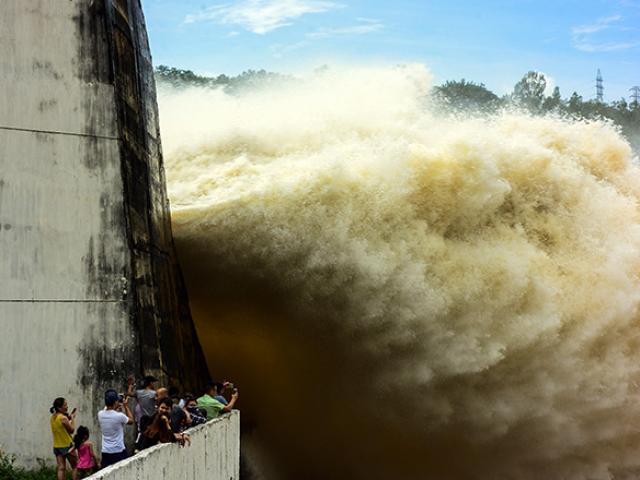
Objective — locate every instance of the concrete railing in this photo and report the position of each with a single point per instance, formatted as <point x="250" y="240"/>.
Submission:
<point x="214" y="454"/>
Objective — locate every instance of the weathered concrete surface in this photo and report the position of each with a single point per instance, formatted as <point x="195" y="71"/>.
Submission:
<point x="167" y="337"/>
<point x="42" y="356"/>
<point x="90" y="290"/>
<point x="214" y="454"/>
<point x="62" y="66"/>
<point x="61" y="221"/>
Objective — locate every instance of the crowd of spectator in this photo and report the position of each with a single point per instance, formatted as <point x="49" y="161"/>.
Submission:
<point x="160" y="415"/>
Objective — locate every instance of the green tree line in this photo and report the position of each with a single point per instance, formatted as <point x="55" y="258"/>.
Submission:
<point x="179" y="78"/>
<point x="529" y="95"/>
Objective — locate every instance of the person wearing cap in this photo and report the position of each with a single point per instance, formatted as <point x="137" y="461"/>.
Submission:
<point x="112" y="424"/>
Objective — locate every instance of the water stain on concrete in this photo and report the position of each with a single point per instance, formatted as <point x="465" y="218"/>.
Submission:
<point x="144" y="276"/>
<point x="45" y="67"/>
<point x="45" y="105"/>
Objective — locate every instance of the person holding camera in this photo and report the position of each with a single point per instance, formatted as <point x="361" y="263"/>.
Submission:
<point x="112" y="424"/>
<point x="146" y="395"/>
<point x="214" y="407"/>
<point x="62" y="426"/>
<point x="222" y="389"/>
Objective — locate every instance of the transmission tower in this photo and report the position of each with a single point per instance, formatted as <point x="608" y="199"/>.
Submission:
<point x="599" y="88"/>
<point x="635" y="95"/>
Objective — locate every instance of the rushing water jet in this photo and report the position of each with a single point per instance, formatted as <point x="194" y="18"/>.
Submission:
<point x="402" y="295"/>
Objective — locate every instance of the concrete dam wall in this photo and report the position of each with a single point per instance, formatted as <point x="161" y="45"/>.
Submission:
<point x="90" y="289"/>
<point x="213" y="454"/>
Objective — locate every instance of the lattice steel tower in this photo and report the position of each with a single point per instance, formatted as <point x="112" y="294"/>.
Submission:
<point x="599" y="88"/>
<point x="635" y="95"/>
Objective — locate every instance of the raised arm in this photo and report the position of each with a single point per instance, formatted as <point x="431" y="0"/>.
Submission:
<point x="131" y="386"/>
<point x="234" y="398"/>
<point x="188" y="420"/>
<point x="68" y="422"/>
<point x="127" y="411"/>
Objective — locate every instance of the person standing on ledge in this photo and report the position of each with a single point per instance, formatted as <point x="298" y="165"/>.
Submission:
<point x="62" y="427"/>
<point x="212" y="406"/>
<point x="112" y="424"/>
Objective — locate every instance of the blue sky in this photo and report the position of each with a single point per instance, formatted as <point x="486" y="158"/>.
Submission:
<point x="493" y="41"/>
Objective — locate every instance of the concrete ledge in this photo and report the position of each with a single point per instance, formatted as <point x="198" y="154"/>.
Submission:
<point x="214" y="454"/>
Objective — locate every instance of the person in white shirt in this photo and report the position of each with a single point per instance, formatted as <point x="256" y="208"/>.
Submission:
<point x="112" y="424"/>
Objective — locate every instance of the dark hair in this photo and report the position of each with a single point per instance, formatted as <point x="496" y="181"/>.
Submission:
<point x="159" y="429"/>
<point x="188" y="397"/>
<point x="81" y="436"/>
<point x="209" y="386"/>
<point x="57" y="404"/>
<point x="148" y="380"/>
<point x="177" y="417"/>
<point x="167" y="402"/>
<point x="111" y="397"/>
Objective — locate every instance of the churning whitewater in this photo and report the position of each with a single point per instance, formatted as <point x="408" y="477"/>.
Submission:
<point x="404" y="295"/>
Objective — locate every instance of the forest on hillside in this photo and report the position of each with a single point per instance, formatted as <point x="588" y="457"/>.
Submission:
<point x="453" y="96"/>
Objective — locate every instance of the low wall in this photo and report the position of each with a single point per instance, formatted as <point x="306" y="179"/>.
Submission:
<point x="214" y="454"/>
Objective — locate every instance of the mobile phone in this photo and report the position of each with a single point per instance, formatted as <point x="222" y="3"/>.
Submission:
<point x="74" y="410"/>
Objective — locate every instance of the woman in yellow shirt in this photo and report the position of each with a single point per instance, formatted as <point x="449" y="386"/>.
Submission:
<point x="61" y="428"/>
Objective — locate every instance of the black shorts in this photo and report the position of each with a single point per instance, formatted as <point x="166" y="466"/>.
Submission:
<point x="111" y="458"/>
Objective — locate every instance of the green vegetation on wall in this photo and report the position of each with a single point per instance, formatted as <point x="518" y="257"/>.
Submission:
<point x="8" y="471"/>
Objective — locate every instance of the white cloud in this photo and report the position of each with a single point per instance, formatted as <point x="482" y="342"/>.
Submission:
<point x="600" y="24"/>
<point x="588" y="38"/>
<point x="280" y="51"/>
<point x="605" y="47"/>
<point x="367" y="25"/>
<point x="261" y="16"/>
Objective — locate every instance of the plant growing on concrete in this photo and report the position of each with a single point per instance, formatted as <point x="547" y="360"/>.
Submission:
<point x="9" y="471"/>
